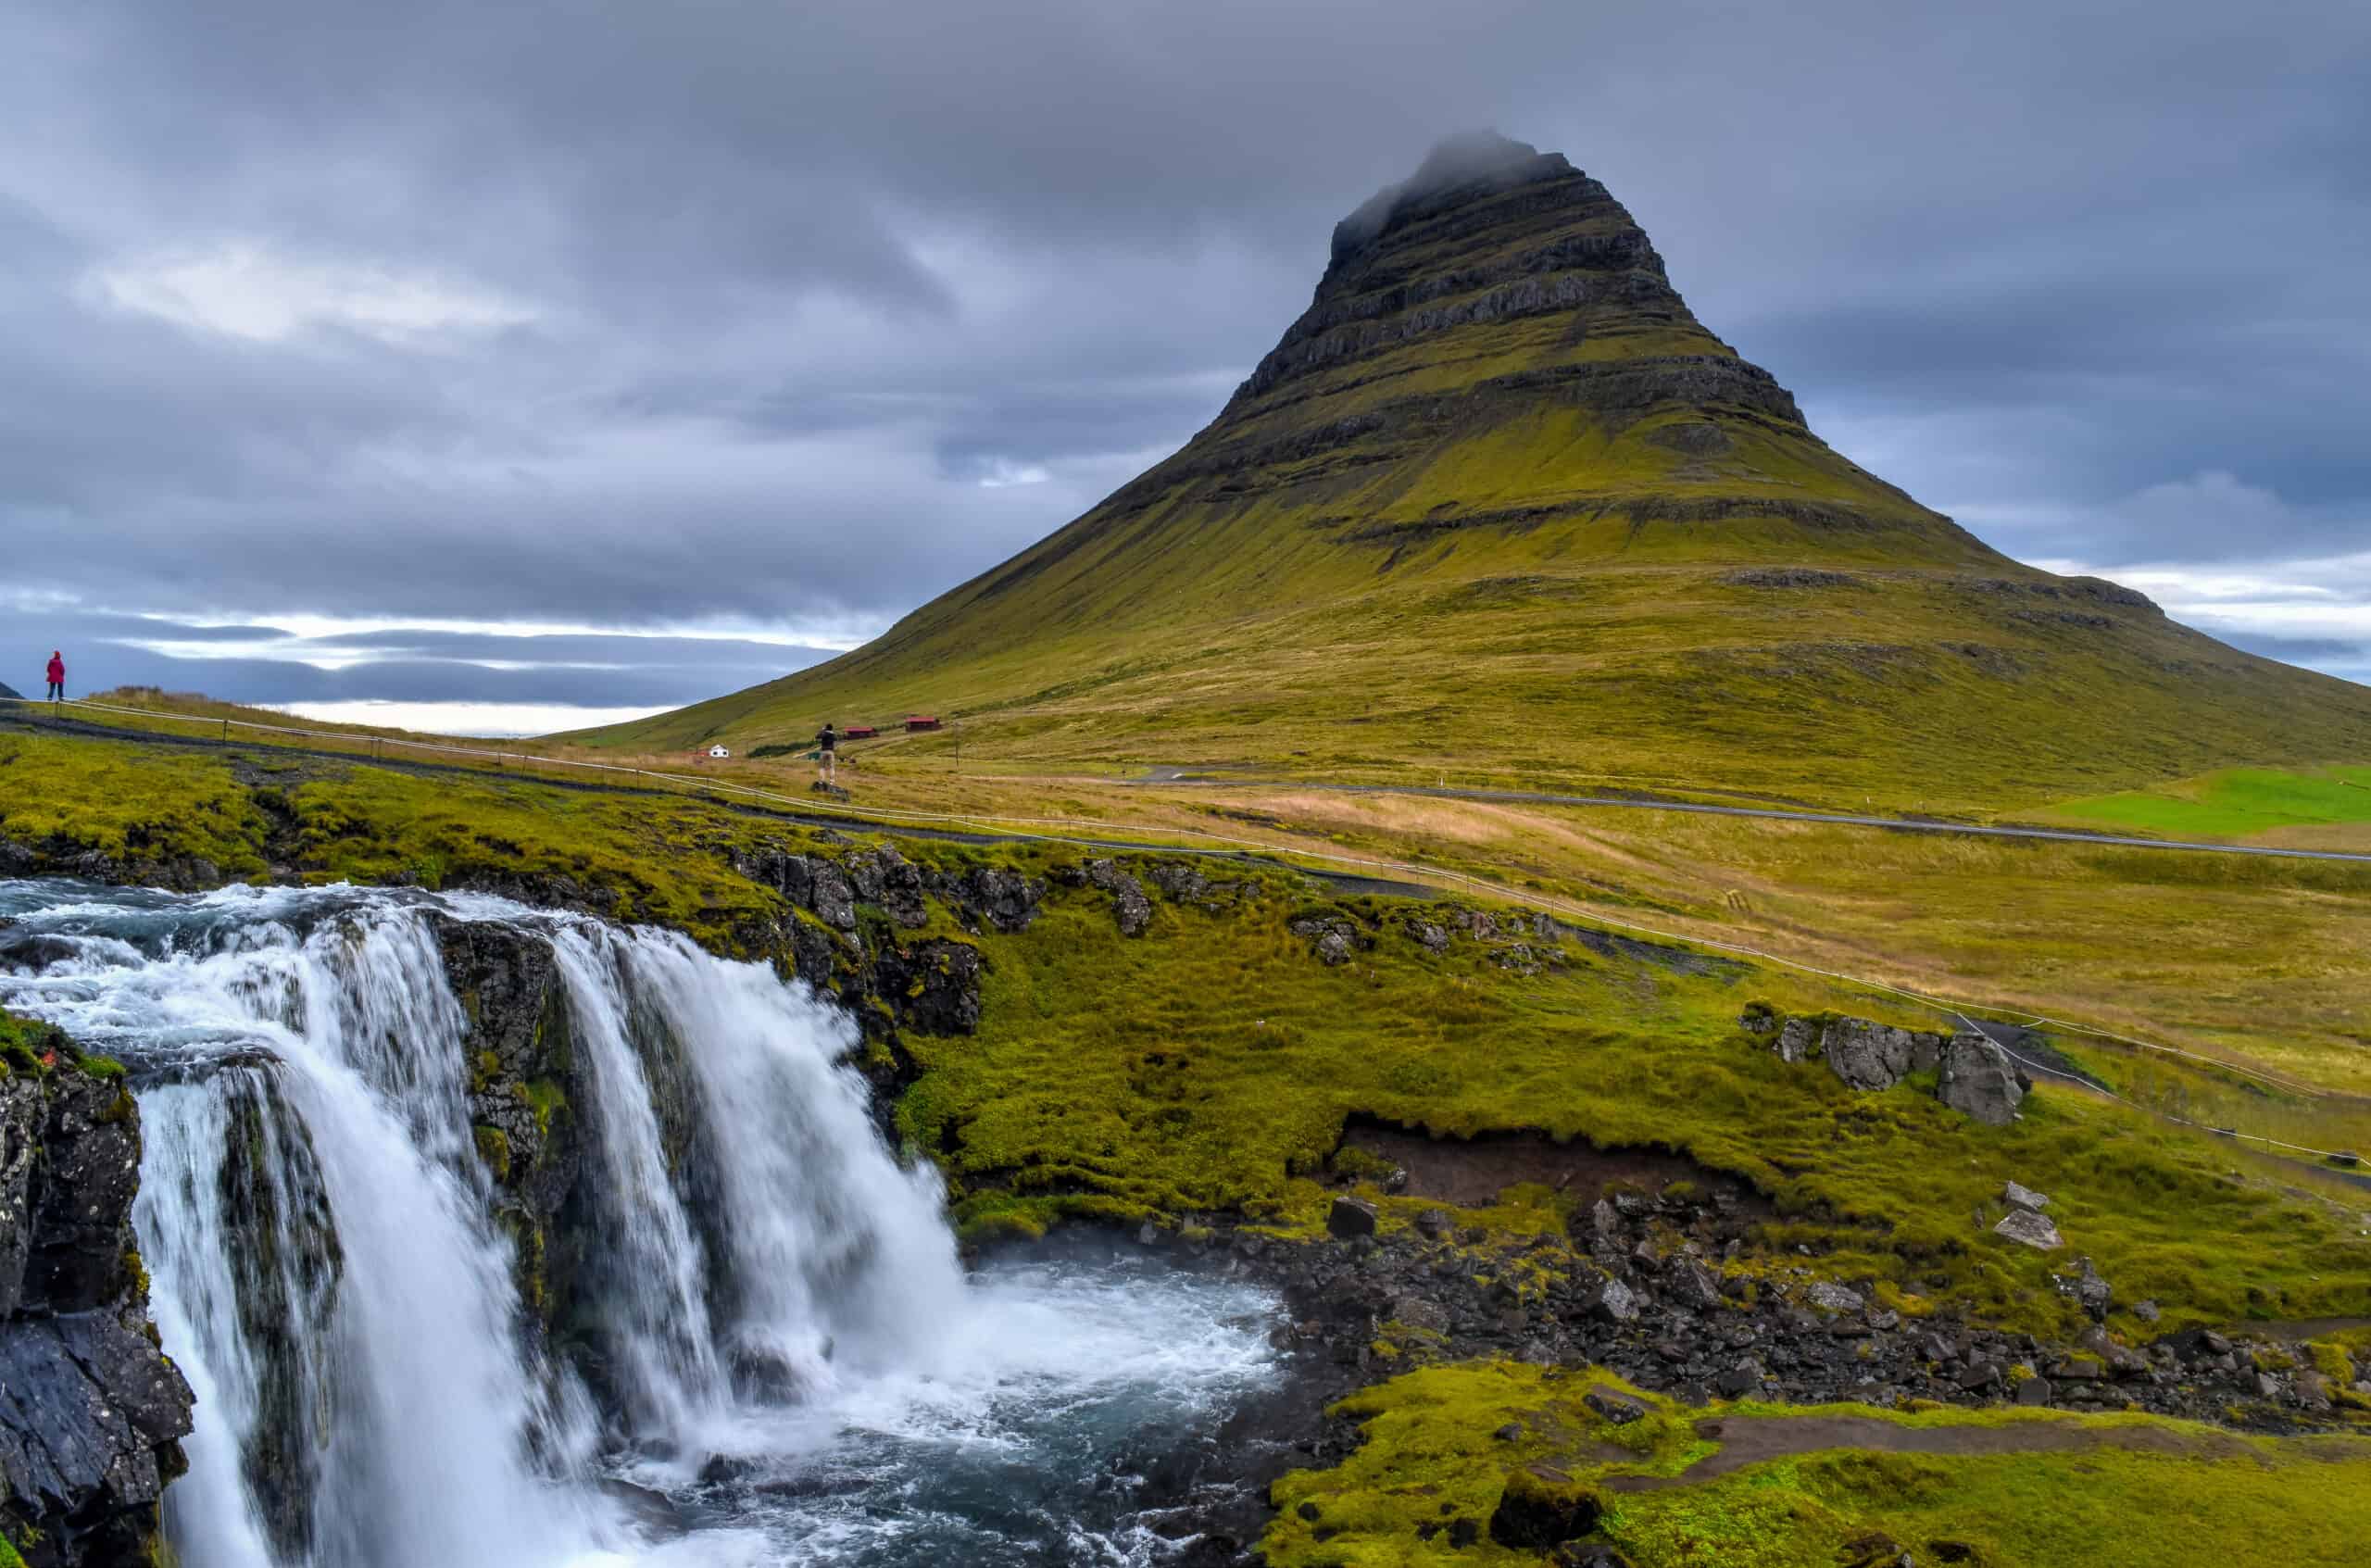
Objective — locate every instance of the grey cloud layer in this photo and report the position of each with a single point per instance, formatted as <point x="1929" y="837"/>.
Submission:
<point x="731" y="312"/>
<point x="253" y="664"/>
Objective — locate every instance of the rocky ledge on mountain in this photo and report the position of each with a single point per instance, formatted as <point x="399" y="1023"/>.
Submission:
<point x="92" y="1413"/>
<point x="1667" y="1291"/>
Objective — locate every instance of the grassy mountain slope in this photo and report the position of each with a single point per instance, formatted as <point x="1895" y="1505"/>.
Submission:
<point x="1498" y="505"/>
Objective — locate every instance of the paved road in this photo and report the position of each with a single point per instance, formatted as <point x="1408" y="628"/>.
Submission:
<point x="1892" y="825"/>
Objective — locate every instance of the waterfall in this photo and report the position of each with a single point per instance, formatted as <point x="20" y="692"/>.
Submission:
<point x="763" y="1281"/>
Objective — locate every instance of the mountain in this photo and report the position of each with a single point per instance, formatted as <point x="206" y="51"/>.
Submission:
<point x="1499" y="506"/>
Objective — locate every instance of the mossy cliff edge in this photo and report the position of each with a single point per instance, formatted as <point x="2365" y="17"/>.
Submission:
<point x="92" y="1413"/>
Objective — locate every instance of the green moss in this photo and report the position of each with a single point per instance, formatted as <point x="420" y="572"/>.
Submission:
<point x="135" y="805"/>
<point x="1441" y="1444"/>
<point x="1352" y="1163"/>
<point x="494" y="1147"/>
<point x="546" y="1098"/>
<point x="2332" y="1361"/>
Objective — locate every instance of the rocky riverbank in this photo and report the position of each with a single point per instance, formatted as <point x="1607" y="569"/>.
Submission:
<point x="1662" y="1287"/>
<point x="92" y="1412"/>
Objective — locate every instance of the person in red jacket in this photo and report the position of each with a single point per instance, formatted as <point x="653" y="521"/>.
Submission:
<point x="56" y="676"/>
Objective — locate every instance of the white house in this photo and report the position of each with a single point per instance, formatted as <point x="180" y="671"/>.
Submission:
<point x="720" y="751"/>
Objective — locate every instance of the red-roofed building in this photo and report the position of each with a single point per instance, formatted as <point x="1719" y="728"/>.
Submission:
<point x="921" y="721"/>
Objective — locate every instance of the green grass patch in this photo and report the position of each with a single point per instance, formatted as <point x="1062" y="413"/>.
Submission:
<point x="1212" y="1066"/>
<point x="2233" y="803"/>
<point x="1440" y="1445"/>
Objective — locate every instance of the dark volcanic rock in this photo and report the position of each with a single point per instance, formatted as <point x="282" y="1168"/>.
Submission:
<point x="92" y="1414"/>
<point x="1350" y="1218"/>
<point x="1005" y="901"/>
<point x="931" y="987"/>
<point x="1540" y="1509"/>
<point x="1130" y="906"/>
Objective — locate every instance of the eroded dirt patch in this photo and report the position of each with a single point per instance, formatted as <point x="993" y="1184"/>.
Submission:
<point x="1470" y="1173"/>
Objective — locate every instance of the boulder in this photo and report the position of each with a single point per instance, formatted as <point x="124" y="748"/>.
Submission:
<point x="1796" y="1041"/>
<point x="1612" y="1301"/>
<point x="1830" y="1297"/>
<point x="1614" y="1409"/>
<point x="35" y="952"/>
<point x="2023" y="1197"/>
<point x="1976" y="1079"/>
<point x="2025" y="1225"/>
<point x="1350" y="1218"/>
<point x="1693" y="1285"/>
<point x="1876" y="1056"/>
<point x="1541" y="1509"/>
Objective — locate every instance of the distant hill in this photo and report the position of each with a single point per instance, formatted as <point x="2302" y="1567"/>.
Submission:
<point x="7" y="692"/>
<point x="1497" y="506"/>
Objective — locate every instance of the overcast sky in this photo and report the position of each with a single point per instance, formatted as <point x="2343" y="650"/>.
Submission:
<point x="352" y="343"/>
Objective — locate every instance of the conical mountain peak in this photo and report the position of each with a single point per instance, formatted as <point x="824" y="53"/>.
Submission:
<point x="1470" y="164"/>
<point x="1499" y="503"/>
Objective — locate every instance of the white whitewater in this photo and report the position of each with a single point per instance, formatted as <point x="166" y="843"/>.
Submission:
<point x="317" y="1223"/>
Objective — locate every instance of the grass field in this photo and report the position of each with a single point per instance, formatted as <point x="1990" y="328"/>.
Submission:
<point x="2233" y="803"/>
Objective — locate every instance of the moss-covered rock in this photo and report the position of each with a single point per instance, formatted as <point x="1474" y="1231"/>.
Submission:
<point x="92" y="1414"/>
<point x="1541" y="1507"/>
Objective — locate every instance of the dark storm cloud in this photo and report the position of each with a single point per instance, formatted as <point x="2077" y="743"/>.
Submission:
<point x="735" y="311"/>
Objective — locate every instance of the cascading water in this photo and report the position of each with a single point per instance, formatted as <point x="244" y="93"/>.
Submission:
<point x="790" y="1351"/>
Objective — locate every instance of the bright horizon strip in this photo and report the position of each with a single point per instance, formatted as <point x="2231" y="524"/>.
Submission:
<point x="840" y="636"/>
<point x="463" y="720"/>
